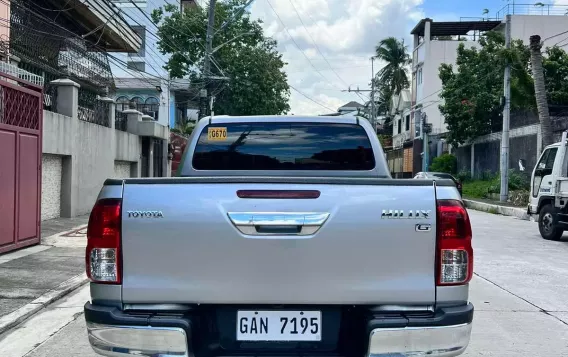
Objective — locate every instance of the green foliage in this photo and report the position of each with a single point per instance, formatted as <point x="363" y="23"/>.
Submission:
<point x="257" y="83"/>
<point x="385" y="140"/>
<point x="476" y="189"/>
<point x="555" y="65"/>
<point x="186" y="130"/>
<point x="393" y="77"/>
<point x="464" y="176"/>
<point x="491" y="184"/>
<point x="472" y="89"/>
<point x="445" y="163"/>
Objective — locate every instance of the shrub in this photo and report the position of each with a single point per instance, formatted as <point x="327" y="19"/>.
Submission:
<point x="464" y="176"/>
<point x="445" y="163"/>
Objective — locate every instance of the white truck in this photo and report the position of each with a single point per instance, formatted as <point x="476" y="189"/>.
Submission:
<point x="549" y="191"/>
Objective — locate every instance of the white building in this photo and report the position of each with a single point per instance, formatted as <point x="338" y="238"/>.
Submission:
<point x="401" y="122"/>
<point x="432" y="47"/>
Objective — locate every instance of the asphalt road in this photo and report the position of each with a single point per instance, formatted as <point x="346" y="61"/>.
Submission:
<point x="520" y="291"/>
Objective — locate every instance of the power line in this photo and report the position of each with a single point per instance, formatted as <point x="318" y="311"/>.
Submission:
<point x="318" y="48"/>
<point x="295" y="43"/>
<point x="311" y="99"/>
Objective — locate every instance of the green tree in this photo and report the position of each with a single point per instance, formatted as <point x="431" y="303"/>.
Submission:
<point x="472" y="90"/>
<point x="555" y="64"/>
<point x="256" y="81"/>
<point x="445" y="163"/>
<point x="394" y="75"/>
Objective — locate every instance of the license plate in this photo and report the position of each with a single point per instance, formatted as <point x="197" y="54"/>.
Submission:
<point x="279" y="325"/>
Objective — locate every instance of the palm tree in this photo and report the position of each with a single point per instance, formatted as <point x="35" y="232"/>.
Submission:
<point x="540" y="90"/>
<point x="394" y="75"/>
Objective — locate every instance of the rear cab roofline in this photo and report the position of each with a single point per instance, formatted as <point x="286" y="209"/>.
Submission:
<point x="380" y="170"/>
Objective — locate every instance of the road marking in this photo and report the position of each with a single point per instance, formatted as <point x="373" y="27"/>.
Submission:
<point x="38" y="329"/>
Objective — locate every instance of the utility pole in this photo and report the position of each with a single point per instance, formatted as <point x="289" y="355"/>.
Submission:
<point x="203" y="100"/>
<point x="425" y="141"/>
<point x="373" y="112"/>
<point x="372" y="102"/>
<point x="504" y="193"/>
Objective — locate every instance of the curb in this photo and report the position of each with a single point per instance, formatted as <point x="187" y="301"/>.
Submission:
<point x="517" y="212"/>
<point x="26" y="311"/>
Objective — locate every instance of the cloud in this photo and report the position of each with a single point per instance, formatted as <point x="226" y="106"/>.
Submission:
<point x="345" y="33"/>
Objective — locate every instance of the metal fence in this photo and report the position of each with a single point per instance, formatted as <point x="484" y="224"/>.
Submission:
<point x="120" y="119"/>
<point x="537" y="8"/>
<point x="93" y="110"/>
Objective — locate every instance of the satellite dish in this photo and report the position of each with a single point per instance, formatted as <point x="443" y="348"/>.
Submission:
<point x="522" y="165"/>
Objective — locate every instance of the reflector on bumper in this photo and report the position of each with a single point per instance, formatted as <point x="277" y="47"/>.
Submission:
<point x="440" y="341"/>
<point x="115" y="341"/>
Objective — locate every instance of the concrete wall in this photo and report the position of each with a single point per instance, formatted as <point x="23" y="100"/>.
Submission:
<point x="87" y="154"/>
<point x="524" y="26"/>
<point x="121" y="169"/>
<point x="51" y="166"/>
<point x="525" y="144"/>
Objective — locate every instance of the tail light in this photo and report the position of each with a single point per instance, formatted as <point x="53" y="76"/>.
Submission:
<point x="454" y="258"/>
<point x="103" y="256"/>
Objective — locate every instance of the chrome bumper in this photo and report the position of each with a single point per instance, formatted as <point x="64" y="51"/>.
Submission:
<point x="118" y="341"/>
<point x="442" y="341"/>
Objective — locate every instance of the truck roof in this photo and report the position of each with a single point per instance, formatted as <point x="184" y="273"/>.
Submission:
<point x="277" y="118"/>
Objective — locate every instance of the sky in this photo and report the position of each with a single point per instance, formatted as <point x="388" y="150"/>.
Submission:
<point x="328" y="43"/>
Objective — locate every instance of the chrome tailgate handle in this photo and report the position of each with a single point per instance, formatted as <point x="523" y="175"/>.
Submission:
<point x="278" y="223"/>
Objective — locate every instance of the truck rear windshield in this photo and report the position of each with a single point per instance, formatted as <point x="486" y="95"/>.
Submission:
<point x="283" y="146"/>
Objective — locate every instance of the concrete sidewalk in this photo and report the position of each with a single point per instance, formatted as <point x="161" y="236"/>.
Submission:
<point x="33" y="277"/>
<point x="497" y="208"/>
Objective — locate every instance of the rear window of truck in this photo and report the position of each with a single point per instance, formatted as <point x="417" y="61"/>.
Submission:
<point x="283" y="146"/>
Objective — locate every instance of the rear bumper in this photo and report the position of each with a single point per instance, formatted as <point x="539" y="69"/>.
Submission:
<point x="445" y="333"/>
<point x="420" y="341"/>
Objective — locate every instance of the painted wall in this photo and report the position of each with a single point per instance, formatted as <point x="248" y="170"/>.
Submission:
<point x="439" y="52"/>
<point x="87" y="153"/>
<point x="524" y="26"/>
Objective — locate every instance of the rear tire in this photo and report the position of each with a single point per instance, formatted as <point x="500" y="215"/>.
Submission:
<point x="547" y="226"/>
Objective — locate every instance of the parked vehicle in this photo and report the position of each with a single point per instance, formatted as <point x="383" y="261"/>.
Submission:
<point x="283" y="236"/>
<point x="549" y="191"/>
<point x="440" y="176"/>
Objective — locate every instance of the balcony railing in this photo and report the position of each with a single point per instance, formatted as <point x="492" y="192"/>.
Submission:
<point x="531" y="9"/>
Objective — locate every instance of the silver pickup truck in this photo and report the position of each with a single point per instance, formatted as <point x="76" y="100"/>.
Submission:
<point x="282" y="236"/>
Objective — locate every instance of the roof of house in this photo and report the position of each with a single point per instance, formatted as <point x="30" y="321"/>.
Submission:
<point x="352" y="104"/>
<point x="453" y="28"/>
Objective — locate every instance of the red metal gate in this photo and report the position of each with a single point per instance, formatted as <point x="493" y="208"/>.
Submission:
<point x="21" y="119"/>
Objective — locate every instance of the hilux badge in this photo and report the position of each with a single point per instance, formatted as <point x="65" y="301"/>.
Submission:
<point x="402" y="214"/>
<point x="145" y="214"/>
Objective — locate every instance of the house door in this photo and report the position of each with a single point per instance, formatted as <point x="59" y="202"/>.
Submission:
<point x="21" y="117"/>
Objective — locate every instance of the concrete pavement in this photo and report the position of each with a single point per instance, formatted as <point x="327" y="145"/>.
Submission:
<point x="519" y="292"/>
<point x="33" y="277"/>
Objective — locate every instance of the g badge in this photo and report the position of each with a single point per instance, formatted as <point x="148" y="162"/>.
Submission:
<point x="423" y="228"/>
